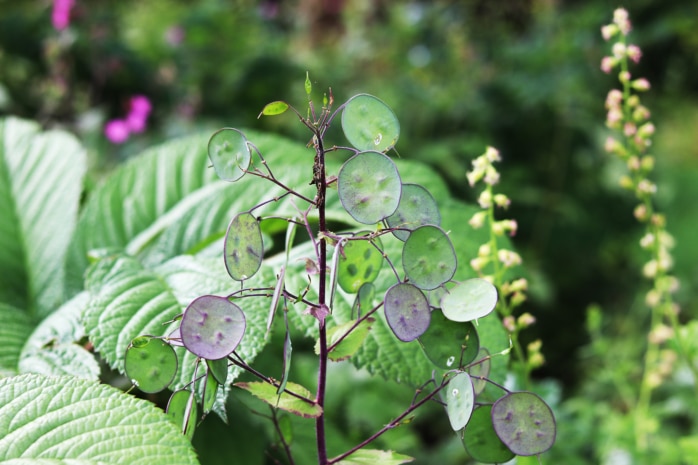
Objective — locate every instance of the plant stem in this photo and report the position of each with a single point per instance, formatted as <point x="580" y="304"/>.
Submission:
<point x="320" y="181"/>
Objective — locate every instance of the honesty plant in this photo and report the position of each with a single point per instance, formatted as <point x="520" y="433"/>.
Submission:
<point x="398" y="233"/>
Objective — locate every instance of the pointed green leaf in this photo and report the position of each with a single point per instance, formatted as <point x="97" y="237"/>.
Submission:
<point x="229" y="154"/>
<point x="372" y="457"/>
<point x="308" y="85"/>
<point x="41" y="177"/>
<point x="290" y="403"/>
<point x="369" y="187"/>
<point x="469" y="300"/>
<point x="63" y="418"/>
<point x="274" y="108"/>
<point x="370" y="124"/>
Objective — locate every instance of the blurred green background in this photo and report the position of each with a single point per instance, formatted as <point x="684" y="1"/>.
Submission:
<point x="520" y="75"/>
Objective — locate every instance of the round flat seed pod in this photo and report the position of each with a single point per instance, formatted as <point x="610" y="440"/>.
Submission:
<point x="524" y="423"/>
<point x="460" y="400"/>
<point x="428" y="257"/>
<point x="469" y="300"/>
<point x="150" y="363"/>
<point x="219" y="369"/>
<point x="364" y="300"/>
<point x="481" y="441"/>
<point x="417" y="207"/>
<point x="407" y="311"/>
<point x="449" y="345"/>
<point x="229" y="154"/>
<point x="244" y="247"/>
<point x="209" y="397"/>
<point x="369" y="187"/>
<point x="369" y="124"/>
<point x="183" y="411"/>
<point x="212" y="327"/>
<point x="359" y="263"/>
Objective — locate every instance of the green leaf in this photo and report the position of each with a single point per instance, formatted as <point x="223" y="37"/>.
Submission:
<point x="274" y="108"/>
<point x="372" y="457"/>
<point x="41" y="176"/>
<point x="15" y="329"/>
<point x="126" y="301"/>
<point x="56" y="347"/>
<point x="285" y="401"/>
<point x="64" y="418"/>
<point x="167" y="202"/>
<point x="370" y="124"/>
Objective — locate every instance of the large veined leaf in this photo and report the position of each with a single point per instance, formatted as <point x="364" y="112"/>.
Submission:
<point x="54" y="347"/>
<point x="128" y="300"/>
<point x="41" y="177"/>
<point x="15" y="329"/>
<point x="64" y="420"/>
<point x="167" y="202"/>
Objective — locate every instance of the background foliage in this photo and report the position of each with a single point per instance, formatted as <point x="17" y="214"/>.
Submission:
<point x="520" y="75"/>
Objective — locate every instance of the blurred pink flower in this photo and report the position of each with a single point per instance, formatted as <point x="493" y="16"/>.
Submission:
<point x="60" y="16"/>
<point x="117" y="131"/>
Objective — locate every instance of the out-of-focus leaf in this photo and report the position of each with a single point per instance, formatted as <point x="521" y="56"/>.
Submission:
<point x="372" y="456"/>
<point x="41" y="177"/>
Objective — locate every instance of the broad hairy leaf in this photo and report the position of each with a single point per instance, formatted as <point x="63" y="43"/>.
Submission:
<point x="65" y="418"/>
<point x="128" y="300"/>
<point x="57" y="345"/>
<point x="15" y="329"/>
<point x="41" y="177"/>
